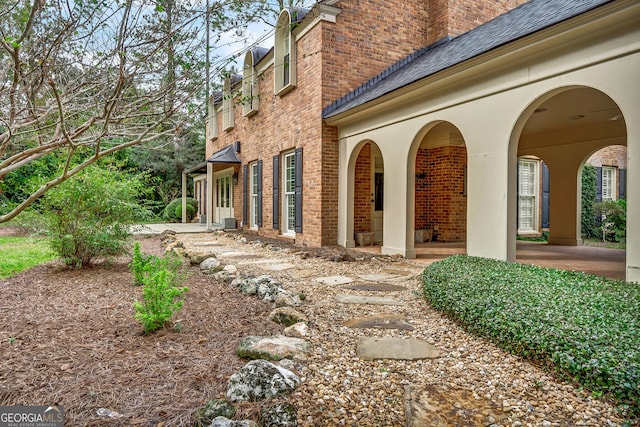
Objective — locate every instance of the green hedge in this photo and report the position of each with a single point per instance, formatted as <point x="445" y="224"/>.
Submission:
<point x="173" y="211"/>
<point x="584" y="327"/>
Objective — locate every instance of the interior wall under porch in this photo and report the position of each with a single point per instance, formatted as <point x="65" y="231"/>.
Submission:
<point x="440" y="192"/>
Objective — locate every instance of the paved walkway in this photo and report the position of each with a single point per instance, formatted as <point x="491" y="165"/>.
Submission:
<point x="599" y="261"/>
<point x="191" y="227"/>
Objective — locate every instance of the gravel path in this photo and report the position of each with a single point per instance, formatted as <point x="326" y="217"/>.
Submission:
<point x="471" y="376"/>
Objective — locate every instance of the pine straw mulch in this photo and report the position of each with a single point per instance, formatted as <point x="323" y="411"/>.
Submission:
<point x="70" y="338"/>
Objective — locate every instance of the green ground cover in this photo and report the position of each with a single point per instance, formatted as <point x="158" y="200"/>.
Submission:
<point x="583" y="327"/>
<point x="20" y="253"/>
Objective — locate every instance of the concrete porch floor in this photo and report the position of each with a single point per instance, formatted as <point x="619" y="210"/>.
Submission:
<point x="598" y="261"/>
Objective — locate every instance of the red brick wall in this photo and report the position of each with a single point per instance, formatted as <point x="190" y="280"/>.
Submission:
<point x="464" y="15"/>
<point x="362" y="190"/>
<point x="369" y="36"/>
<point x="282" y="124"/>
<point x="333" y="59"/>
<point x="439" y="197"/>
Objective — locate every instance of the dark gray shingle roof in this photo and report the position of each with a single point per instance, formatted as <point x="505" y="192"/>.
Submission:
<point x="524" y="20"/>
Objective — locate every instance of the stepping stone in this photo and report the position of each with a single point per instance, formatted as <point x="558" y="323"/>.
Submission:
<point x="334" y="280"/>
<point x="396" y="272"/>
<point x="380" y="287"/>
<point x="395" y="348"/>
<point x="389" y="321"/>
<point x="377" y="277"/>
<point x="356" y="299"/>
<point x="206" y="244"/>
<point x="243" y="257"/>
<point x="254" y="261"/>
<point x="232" y="253"/>
<point x="300" y="273"/>
<point x="445" y="405"/>
<point x="278" y="267"/>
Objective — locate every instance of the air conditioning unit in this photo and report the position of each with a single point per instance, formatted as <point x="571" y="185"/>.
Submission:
<point x="229" y="223"/>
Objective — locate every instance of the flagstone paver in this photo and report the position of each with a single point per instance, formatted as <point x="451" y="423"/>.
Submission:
<point x="375" y="287"/>
<point x="377" y="277"/>
<point x="278" y="267"/>
<point x="379" y="321"/>
<point x="371" y="348"/>
<point x="300" y="273"/>
<point x="357" y="299"/>
<point x="334" y="280"/>
<point x="446" y="405"/>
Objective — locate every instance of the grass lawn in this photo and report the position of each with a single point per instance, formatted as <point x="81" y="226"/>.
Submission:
<point x="20" y="253"/>
<point x="608" y="245"/>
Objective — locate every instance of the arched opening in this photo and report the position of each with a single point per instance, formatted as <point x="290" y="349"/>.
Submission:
<point x="440" y="191"/>
<point x="368" y="195"/>
<point x="565" y="128"/>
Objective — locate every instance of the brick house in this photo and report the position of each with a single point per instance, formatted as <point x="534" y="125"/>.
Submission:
<point x="388" y="117"/>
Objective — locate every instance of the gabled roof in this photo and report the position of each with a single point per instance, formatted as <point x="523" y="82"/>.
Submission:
<point x="522" y="21"/>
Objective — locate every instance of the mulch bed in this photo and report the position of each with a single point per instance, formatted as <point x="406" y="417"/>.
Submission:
<point x="70" y="338"/>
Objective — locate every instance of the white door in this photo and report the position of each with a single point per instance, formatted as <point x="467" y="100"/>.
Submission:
<point x="377" y="195"/>
<point x="223" y="197"/>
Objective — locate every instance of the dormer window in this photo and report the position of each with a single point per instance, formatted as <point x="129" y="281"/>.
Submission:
<point x="250" y="93"/>
<point x="227" y="105"/>
<point x="285" y="53"/>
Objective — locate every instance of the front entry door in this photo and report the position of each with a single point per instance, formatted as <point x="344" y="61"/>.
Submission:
<point x="223" y="207"/>
<point x="377" y="197"/>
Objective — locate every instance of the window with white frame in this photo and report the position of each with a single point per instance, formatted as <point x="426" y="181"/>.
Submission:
<point x="254" y="183"/>
<point x="528" y="195"/>
<point x="608" y="183"/>
<point x="289" y="180"/>
<point x="227" y="105"/>
<point x="284" y="55"/>
<point x="250" y="96"/>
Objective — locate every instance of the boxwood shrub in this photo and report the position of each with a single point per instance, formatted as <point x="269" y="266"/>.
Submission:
<point x="584" y="327"/>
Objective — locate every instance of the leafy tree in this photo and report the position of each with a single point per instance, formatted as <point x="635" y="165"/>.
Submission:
<point x="83" y="80"/>
<point x="89" y="216"/>
<point x="589" y="229"/>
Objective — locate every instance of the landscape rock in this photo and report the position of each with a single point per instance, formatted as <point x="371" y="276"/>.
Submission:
<point x="197" y="257"/>
<point x="231" y="269"/>
<point x="285" y="299"/>
<point x="272" y="348"/>
<point x="225" y="422"/>
<point x="280" y="415"/>
<point x="297" y="330"/>
<point x="215" y="408"/>
<point x="264" y="286"/>
<point x="260" y="380"/>
<point x="210" y="265"/>
<point x="225" y="276"/>
<point x="287" y="316"/>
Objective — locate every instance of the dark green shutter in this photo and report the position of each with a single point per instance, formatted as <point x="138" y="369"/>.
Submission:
<point x="545" y="195"/>
<point x="276" y="192"/>
<point x="622" y="194"/>
<point x="598" y="192"/>
<point x="598" y="184"/>
<point x="245" y="195"/>
<point x="259" y="207"/>
<point x="298" y="190"/>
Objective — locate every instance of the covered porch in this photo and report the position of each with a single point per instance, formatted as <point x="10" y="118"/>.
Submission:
<point x="593" y="260"/>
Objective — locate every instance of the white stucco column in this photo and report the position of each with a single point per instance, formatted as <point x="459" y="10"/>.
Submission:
<point x="210" y="192"/>
<point x="633" y="198"/>
<point x="565" y="217"/>
<point x="345" y="195"/>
